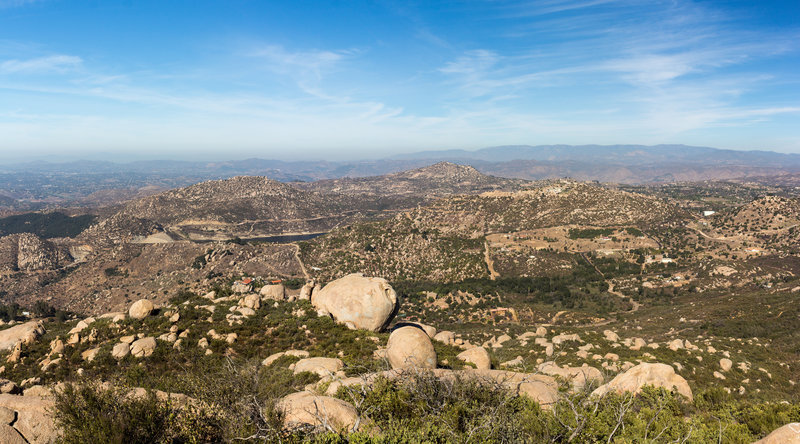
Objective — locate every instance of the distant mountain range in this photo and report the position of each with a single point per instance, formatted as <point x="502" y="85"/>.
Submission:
<point x="37" y="185"/>
<point x="632" y="155"/>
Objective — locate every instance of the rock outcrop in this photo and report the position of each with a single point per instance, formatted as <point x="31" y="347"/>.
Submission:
<point x="24" y="334"/>
<point x="359" y="302"/>
<point x="28" y="252"/>
<point x="658" y="375"/>
<point x="306" y="409"/>
<point x="32" y="420"/>
<point x="578" y="377"/>
<point x="321" y="366"/>
<point x="410" y="347"/>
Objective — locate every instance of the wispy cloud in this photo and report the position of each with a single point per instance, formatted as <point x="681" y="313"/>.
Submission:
<point x="313" y="62"/>
<point x="54" y="63"/>
<point x="307" y="68"/>
<point x="669" y="72"/>
<point x="15" y="3"/>
<point x="545" y="7"/>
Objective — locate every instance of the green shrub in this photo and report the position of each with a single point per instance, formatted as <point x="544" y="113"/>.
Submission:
<point x="92" y="414"/>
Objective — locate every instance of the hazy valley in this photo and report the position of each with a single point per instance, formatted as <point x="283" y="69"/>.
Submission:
<point x="536" y="297"/>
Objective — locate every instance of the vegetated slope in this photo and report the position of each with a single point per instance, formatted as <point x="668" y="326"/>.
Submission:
<point x="766" y="214"/>
<point x="705" y="195"/>
<point x="557" y="203"/>
<point x="771" y="222"/>
<point x="789" y="181"/>
<point x="46" y="225"/>
<point x="241" y="206"/>
<point x="441" y="179"/>
<point x="444" y="241"/>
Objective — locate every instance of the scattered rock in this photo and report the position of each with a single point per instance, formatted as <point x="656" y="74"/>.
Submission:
<point x="120" y="350"/>
<point x="143" y="347"/>
<point x="564" y="337"/>
<point x="241" y="287"/>
<point x="675" y="344"/>
<point x="251" y="301"/>
<point x="578" y="377"/>
<point x="611" y="336"/>
<point x="446" y="337"/>
<point x="513" y="362"/>
<point x="275" y="292"/>
<point x="638" y="343"/>
<point x="56" y="346"/>
<point x="90" y="354"/>
<point x="725" y="364"/>
<point x="10" y="387"/>
<point x="321" y="366"/>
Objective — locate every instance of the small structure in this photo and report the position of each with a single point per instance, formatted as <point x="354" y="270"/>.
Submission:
<point x="707" y="213"/>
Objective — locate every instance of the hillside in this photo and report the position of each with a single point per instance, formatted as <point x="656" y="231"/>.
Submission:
<point x="115" y="276"/>
<point x="440" y="179"/>
<point x="446" y="240"/>
<point x="223" y="209"/>
<point x="764" y="215"/>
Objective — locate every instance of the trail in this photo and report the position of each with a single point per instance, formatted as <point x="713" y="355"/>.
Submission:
<point x="611" y="290"/>
<point x="300" y="261"/>
<point x="489" y="262"/>
<point x="635" y="304"/>
<point x="721" y="239"/>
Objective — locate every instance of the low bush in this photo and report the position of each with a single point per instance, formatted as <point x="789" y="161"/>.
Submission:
<point x="93" y="414"/>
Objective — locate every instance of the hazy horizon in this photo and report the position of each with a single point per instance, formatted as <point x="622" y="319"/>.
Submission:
<point x="220" y="80"/>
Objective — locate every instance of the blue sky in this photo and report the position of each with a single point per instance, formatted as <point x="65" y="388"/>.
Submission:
<point x="311" y="79"/>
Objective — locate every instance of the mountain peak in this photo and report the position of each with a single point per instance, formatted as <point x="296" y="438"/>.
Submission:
<point x="445" y="169"/>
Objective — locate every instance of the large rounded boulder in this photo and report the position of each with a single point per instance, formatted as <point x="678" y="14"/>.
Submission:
<point x="141" y="309"/>
<point x="359" y="302"/>
<point x="657" y="375"/>
<point x="477" y="356"/>
<point x="409" y="346"/>
<point x="788" y="434"/>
